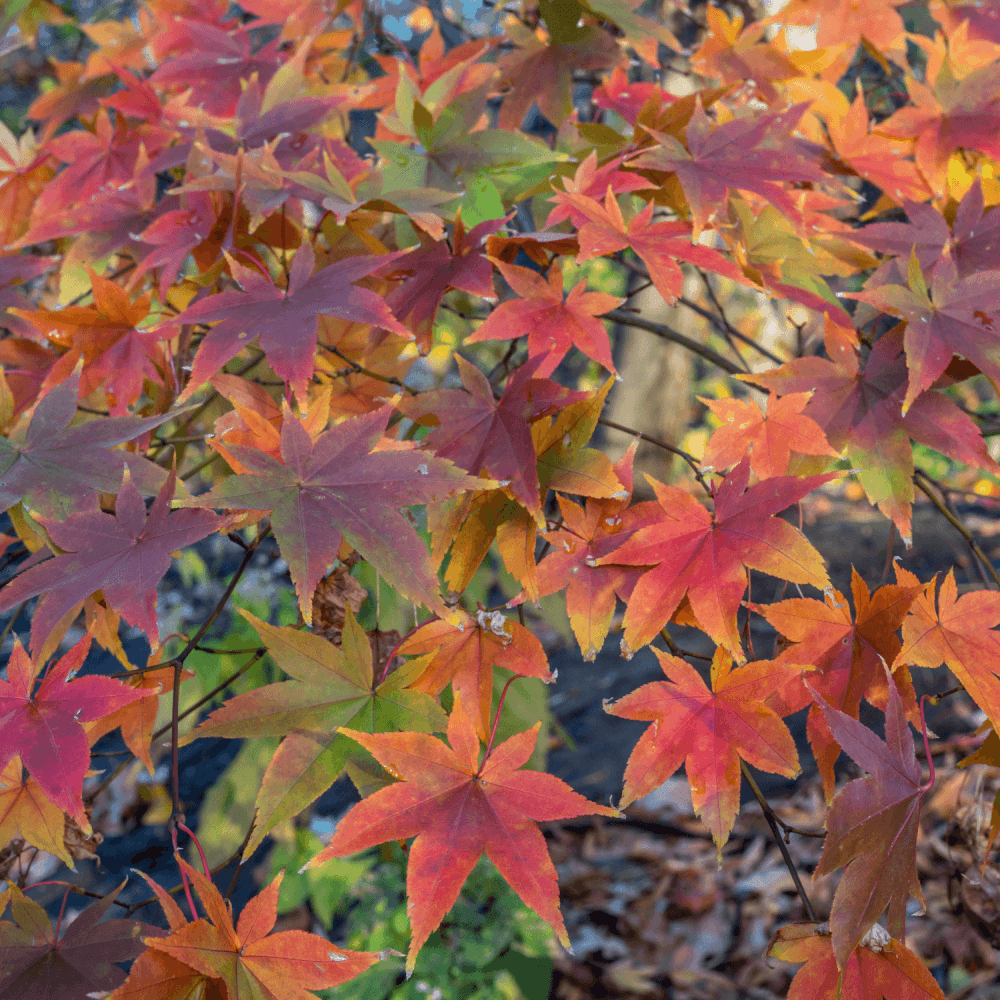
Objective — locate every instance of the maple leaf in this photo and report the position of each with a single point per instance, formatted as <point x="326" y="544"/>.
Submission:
<point x="842" y="23"/>
<point x="564" y="462"/>
<point x="115" y="353"/>
<point x="971" y="240"/>
<point x="39" y="961"/>
<point x="587" y="533"/>
<point x="879" y="967"/>
<point x="58" y="470"/>
<point x="949" y="316"/>
<point x="872" y="826"/>
<point x="458" y="808"/>
<point x="859" y="406"/>
<point x="340" y="486"/>
<point x="543" y="72"/>
<point x="848" y="656"/>
<point x="603" y="231"/>
<point x="952" y="113"/>
<point x="138" y="719"/>
<point x="466" y="655"/>
<point x="25" y="168"/>
<point x="872" y="155"/>
<point x="590" y="181"/>
<point x="770" y="438"/>
<point x="44" y="727"/>
<point x="478" y="432"/>
<point x="27" y="812"/>
<point x="330" y="687"/>
<point x="123" y="554"/>
<point x="755" y="154"/>
<point x="212" y="61"/>
<point x="708" y="731"/>
<point x="435" y="267"/>
<point x="284" y="320"/>
<point x="735" y="53"/>
<point x="551" y="324"/>
<point x="704" y="555"/>
<point x="958" y="633"/>
<point x="773" y="254"/>
<point x="155" y="974"/>
<point x="644" y="34"/>
<point x="251" y="961"/>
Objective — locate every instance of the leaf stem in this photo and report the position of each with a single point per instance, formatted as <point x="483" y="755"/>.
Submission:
<point x="496" y="720"/>
<point x="197" y="844"/>
<point x="927" y="747"/>
<point x="184" y="878"/>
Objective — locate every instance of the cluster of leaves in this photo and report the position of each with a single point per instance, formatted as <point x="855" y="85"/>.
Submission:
<point x="227" y="309"/>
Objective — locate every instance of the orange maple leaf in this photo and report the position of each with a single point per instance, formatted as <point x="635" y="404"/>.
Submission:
<point x="458" y="808"/>
<point x="848" y="655"/>
<point x="958" y="633"/>
<point x="704" y="555"/>
<point x="552" y="324"/>
<point x="250" y="961"/>
<point x="879" y="966"/>
<point x="466" y="656"/>
<point x="708" y="731"/>
<point x="770" y="438"/>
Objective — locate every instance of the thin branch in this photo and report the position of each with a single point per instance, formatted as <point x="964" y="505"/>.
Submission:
<point x="668" y="333"/>
<point x="772" y="822"/>
<point x="361" y="370"/>
<point x="690" y="459"/>
<point x="130" y="908"/>
<point x="922" y="481"/>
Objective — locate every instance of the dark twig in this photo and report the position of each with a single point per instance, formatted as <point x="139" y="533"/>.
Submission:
<point x="772" y="822"/>
<point x="690" y="459"/>
<point x="668" y="333"/>
<point x="923" y="483"/>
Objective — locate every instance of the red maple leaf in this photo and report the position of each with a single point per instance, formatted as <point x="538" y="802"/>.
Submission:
<point x="756" y="154"/>
<point x="872" y="826"/>
<point x="951" y="113"/>
<point x="971" y="240"/>
<point x="603" y="231"/>
<point x="587" y="534"/>
<point x="591" y="181"/>
<point x="860" y="406"/>
<point x="538" y="71"/>
<point x="341" y="486"/>
<point x="848" y="656"/>
<point x="949" y="316"/>
<point x="115" y="353"/>
<point x="123" y="554"/>
<point x="284" y="320"/>
<point x="708" y="731"/>
<point x="552" y="324"/>
<point x="880" y="966"/>
<point x="458" y="808"/>
<point x="45" y="726"/>
<point x="249" y="960"/>
<point x="478" y="432"/>
<point x="40" y="961"/>
<point x="58" y="470"/>
<point x="705" y="555"/>
<point x="435" y="267"/>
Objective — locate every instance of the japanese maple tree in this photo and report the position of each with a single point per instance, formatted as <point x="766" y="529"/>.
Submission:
<point x="225" y="312"/>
